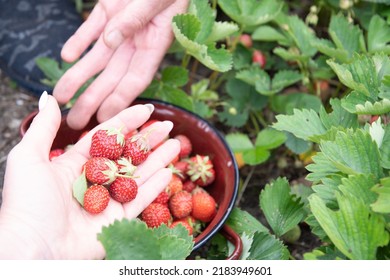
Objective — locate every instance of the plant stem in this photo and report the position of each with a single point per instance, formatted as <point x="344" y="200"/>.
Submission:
<point x="244" y="185"/>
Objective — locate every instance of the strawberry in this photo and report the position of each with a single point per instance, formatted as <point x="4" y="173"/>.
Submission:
<point x="125" y="166"/>
<point x="55" y="153"/>
<point x="189" y="186"/>
<point x="184" y="223"/>
<point x="137" y="148"/>
<point x="246" y="40"/>
<point x="156" y="214"/>
<point x="96" y="199"/>
<point x="175" y="185"/>
<point x="107" y="143"/>
<point x="180" y="169"/>
<point x="123" y="189"/>
<point x="258" y="58"/>
<point x="203" y="206"/>
<point x="201" y="170"/>
<point x="100" y="170"/>
<point x="180" y="204"/>
<point x="185" y="145"/>
<point x="162" y="198"/>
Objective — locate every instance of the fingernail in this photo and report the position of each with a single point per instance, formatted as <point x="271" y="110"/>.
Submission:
<point x="114" y="39"/>
<point x="150" y="107"/>
<point x="43" y="100"/>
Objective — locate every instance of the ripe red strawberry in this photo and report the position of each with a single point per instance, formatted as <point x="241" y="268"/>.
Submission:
<point x="246" y="40"/>
<point x="180" y="168"/>
<point x="175" y="185"/>
<point x="258" y="58"/>
<point x="96" y="199"/>
<point x="189" y="186"/>
<point x="125" y="166"/>
<point x="100" y="170"/>
<point x="156" y="214"/>
<point x="180" y="204"/>
<point x="137" y="148"/>
<point x="123" y="189"/>
<point x="55" y="153"/>
<point x="204" y="206"/>
<point x="162" y="198"/>
<point x="201" y="170"/>
<point x="107" y="143"/>
<point x="184" y="223"/>
<point x="185" y="145"/>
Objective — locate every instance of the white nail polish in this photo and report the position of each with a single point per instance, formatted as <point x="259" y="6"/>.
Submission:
<point x="43" y="100"/>
<point x="150" y="107"/>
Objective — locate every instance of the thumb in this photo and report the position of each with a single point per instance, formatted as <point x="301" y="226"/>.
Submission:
<point x="40" y="135"/>
<point x="136" y="15"/>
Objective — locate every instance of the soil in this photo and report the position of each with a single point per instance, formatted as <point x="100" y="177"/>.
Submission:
<point x="16" y="104"/>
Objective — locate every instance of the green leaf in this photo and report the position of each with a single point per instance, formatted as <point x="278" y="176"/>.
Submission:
<point x="243" y="222"/>
<point x="281" y="208"/>
<point x="130" y="240"/>
<point x="176" y="96"/>
<point x="296" y="145"/>
<point x="326" y="47"/>
<point x="291" y="55"/>
<point x="174" y="75"/>
<point x="382" y="203"/>
<point x="283" y="79"/>
<point x="345" y="35"/>
<point x="385" y="148"/>
<point x="186" y="28"/>
<point x="50" y="68"/>
<point x="359" y="186"/>
<point x="251" y="12"/>
<point x="239" y="142"/>
<point x="354" y="229"/>
<point x="268" y="34"/>
<point x="302" y="35"/>
<point x="338" y="117"/>
<point x="267" y="247"/>
<point x="255" y="75"/>
<point x="303" y="124"/>
<point x="353" y="153"/>
<point x="80" y="186"/>
<point x="256" y="155"/>
<point x="222" y="30"/>
<point x="200" y="91"/>
<point x="378" y="35"/>
<point x="205" y="14"/>
<point x="286" y="103"/>
<point x="269" y="138"/>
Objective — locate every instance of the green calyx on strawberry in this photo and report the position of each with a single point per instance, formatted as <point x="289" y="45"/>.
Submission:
<point x="125" y="166"/>
<point x="100" y="170"/>
<point x="107" y="143"/>
<point x="137" y="148"/>
<point x="201" y="170"/>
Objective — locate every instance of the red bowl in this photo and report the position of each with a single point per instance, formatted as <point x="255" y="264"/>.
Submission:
<point x="206" y="140"/>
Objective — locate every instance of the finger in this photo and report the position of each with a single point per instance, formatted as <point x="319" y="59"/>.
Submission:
<point x="91" y="64"/>
<point x="43" y="129"/>
<point x="85" y="35"/>
<point x="129" y="119"/>
<point x="148" y="192"/>
<point x="135" y="16"/>
<point x="157" y="132"/>
<point x="158" y="159"/>
<point x="88" y="102"/>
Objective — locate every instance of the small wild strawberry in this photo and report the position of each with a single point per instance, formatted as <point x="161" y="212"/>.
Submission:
<point x="184" y="223"/>
<point x="156" y="214"/>
<point x="246" y="40"/>
<point x="107" y="143"/>
<point x="189" y="186"/>
<point x="162" y="198"/>
<point x="180" y="204"/>
<point x="55" y="153"/>
<point x="185" y="145"/>
<point x="100" y="170"/>
<point x="137" y="148"/>
<point x="125" y="166"/>
<point x="123" y="189"/>
<point x="96" y="199"/>
<point x="175" y="185"/>
<point x="203" y="206"/>
<point x="201" y="170"/>
<point x="258" y="58"/>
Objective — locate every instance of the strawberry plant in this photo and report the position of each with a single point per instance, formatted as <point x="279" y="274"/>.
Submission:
<point x="300" y="91"/>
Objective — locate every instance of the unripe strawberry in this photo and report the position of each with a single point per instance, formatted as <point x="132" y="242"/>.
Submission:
<point x="204" y="206"/>
<point x="96" y="199"/>
<point x="123" y="189"/>
<point x="107" y="143"/>
<point x="185" y="145"/>
<point x="246" y="40"/>
<point x="258" y="58"/>
<point x="156" y="214"/>
<point x="180" y="204"/>
<point x="100" y="170"/>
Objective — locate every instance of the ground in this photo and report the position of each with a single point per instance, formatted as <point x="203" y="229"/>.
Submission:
<point x="16" y="104"/>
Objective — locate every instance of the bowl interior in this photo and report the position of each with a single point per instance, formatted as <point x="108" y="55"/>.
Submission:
<point x="206" y="140"/>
